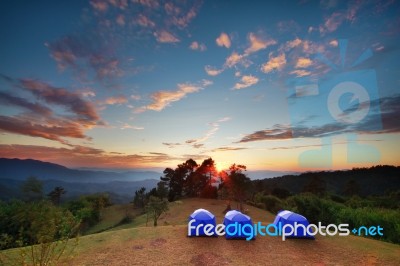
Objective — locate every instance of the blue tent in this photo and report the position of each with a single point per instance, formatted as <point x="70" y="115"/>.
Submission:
<point x="232" y="217"/>
<point x="288" y="217"/>
<point x="201" y="216"/>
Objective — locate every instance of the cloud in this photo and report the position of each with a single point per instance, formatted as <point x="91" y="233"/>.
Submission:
<point x="246" y="81"/>
<point x="72" y="101"/>
<point x="127" y="126"/>
<point x="154" y="4"/>
<point x="81" y="156"/>
<point x="7" y="99"/>
<point x="211" y="71"/>
<point x="120" y="99"/>
<point x="277" y="63"/>
<point x="181" y="19"/>
<point x="303" y="62"/>
<point x="233" y="59"/>
<point x="198" y="46"/>
<point x="144" y="21"/>
<point x="76" y="115"/>
<point x="300" y="72"/>
<point x="136" y="97"/>
<point x="388" y="116"/>
<point x="162" y="99"/>
<point x="223" y="40"/>
<point x="333" y="43"/>
<point x="214" y="128"/>
<point x="164" y="36"/>
<point x="228" y="149"/>
<point x="171" y="145"/>
<point x="99" y="5"/>
<point x="257" y="44"/>
<point x="292" y="44"/>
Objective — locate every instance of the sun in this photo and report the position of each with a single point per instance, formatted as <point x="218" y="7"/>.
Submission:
<point x="220" y="166"/>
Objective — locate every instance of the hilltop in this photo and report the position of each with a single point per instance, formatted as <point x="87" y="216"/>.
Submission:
<point x="168" y="245"/>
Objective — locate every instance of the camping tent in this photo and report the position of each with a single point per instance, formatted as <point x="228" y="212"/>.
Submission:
<point x="201" y="216"/>
<point x="232" y="217"/>
<point x="288" y="217"/>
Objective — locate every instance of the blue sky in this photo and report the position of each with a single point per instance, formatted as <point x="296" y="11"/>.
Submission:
<point x="143" y="83"/>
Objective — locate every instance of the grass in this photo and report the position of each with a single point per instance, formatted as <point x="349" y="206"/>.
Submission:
<point x="111" y="217"/>
<point x="169" y="245"/>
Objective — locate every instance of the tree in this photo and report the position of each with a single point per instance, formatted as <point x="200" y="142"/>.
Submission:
<point x="32" y="189"/>
<point x="206" y="176"/>
<point x="162" y="190"/>
<point x="237" y="183"/>
<point x="139" y="200"/>
<point x="55" y="195"/>
<point x="155" y="207"/>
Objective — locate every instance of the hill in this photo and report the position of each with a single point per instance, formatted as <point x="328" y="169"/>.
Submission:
<point x="18" y="169"/>
<point x="169" y="245"/>
<point x="120" y="185"/>
<point x="370" y="181"/>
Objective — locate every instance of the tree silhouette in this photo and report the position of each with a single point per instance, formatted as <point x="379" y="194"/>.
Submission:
<point x="55" y="195"/>
<point x="351" y="188"/>
<point x="237" y="183"/>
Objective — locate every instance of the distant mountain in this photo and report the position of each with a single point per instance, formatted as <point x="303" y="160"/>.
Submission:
<point x="261" y="174"/>
<point x="18" y="169"/>
<point x="371" y="181"/>
<point x="120" y="185"/>
<point x="120" y="191"/>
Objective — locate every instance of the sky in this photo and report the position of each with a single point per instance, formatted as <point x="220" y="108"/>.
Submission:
<point x="274" y="85"/>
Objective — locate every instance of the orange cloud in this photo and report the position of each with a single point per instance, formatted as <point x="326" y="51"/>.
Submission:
<point x="223" y="40"/>
<point x="277" y="63"/>
<point x="303" y="62"/>
<point x="246" y="81"/>
<point x="257" y="44"/>
<point x="162" y="99"/>
<point x="81" y="156"/>
<point x="120" y="99"/>
<point x="164" y="36"/>
<point x="233" y="59"/>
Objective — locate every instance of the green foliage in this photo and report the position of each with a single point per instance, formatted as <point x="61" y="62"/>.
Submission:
<point x="32" y="189"/>
<point x="356" y="212"/>
<point x="41" y="229"/>
<point x="268" y="202"/>
<point x="155" y="207"/>
<point x="87" y="209"/>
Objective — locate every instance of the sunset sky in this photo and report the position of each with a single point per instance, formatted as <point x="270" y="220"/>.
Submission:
<point x="279" y="85"/>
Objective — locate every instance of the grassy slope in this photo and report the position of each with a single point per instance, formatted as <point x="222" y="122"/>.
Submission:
<point x="168" y="245"/>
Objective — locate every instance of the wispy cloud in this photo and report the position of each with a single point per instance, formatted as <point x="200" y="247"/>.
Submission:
<point x="246" y="81"/>
<point x="79" y="156"/>
<point x="223" y="40"/>
<point x="214" y="127"/>
<point x="277" y="62"/>
<point x="233" y="59"/>
<point x="77" y="116"/>
<point x="162" y="99"/>
<point x="228" y="149"/>
<point x="390" y="110"/>
<point x="212" y="71"/>
<point x="164" y="36"/>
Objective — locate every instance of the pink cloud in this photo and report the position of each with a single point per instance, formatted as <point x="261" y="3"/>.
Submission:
<point x="277" y="62"/>
<point x="246" y="81"/>
<point x="164" y="36"/>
